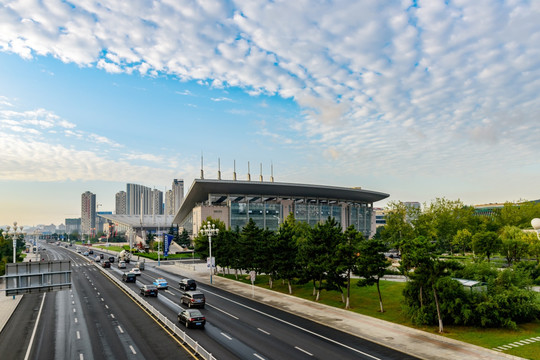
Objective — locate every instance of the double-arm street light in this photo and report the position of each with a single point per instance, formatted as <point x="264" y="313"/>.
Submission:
<point x="209" y="230"/>
<point x="14" y="235"/>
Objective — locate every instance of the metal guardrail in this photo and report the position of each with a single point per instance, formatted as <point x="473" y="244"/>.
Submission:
<point x="167" y="322"/>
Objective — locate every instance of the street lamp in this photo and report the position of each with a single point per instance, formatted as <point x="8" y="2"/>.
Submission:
<point x="209" y="230"/>
<point x="14" y="235"/>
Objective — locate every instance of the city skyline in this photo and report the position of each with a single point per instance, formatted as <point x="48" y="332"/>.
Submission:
<point x="418" y="99"/>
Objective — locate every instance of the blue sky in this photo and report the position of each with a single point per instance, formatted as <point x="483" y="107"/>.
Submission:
<point x="418" y="99"/>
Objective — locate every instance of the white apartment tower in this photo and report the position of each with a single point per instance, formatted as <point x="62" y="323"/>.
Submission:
<point x="178" y="194"/>
<point x="134" y="193"/>
<point x="169" y="203"/>
<point x="88" y="212"/>
<point x="157" y="202"/>
<point x="121" y="203"/>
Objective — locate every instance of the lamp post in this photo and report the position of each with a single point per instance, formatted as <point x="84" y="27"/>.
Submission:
<point x="209" y="230"/>
<point x="14" y="235"/>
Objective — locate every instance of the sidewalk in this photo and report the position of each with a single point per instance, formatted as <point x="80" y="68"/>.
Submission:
<point x="401" y="338"/>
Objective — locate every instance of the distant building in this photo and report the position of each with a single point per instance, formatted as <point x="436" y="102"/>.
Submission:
<point x="73" y="225"/>
<point x="169" y="202"/>
<point x="88" y="212"/>
<point x="380" y="217"/>
<point x="157" y="202"/>
<point x="178" y="194"/>
<point x="120" y="203"/>
<point x="136" y="193"/>
<point x="101" y="221"/>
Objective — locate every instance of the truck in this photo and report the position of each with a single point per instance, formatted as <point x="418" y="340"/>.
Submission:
<point x="124" y="256"/>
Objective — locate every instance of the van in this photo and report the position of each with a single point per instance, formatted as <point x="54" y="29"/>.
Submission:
<point x="140" y="265"/>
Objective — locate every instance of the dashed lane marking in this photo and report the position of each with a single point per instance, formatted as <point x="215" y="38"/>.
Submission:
<point x="304" y="351"/>
<point x="226" y="336"/>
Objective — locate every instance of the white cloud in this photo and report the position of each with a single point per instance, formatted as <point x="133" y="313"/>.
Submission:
<point x="403" y="87"/>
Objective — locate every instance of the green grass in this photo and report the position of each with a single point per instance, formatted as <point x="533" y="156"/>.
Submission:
<point x="364" y="300"/>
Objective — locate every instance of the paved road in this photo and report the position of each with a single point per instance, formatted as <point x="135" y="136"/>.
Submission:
<point x="93" y="320"/>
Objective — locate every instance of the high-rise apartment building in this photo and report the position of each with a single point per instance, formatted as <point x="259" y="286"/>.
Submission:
<point x="88" y="212"/>
<point x="136" y="193"/>
<point x="169" y="203"/>
<point x="121" y="203"/>
<point x="157" y="202"/>
<point x="73" y="225"/>
<point x="178" y="193"/>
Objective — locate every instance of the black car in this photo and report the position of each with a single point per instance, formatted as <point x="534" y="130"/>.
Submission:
<point x="90" y="251"/>
<point x="192" y="317"/>
<point x="106" y="264"/>
<point x="129" y="277"/>
<point x="111" y="259"/>
<point x="149" y="290"/>
<point x="193" y="299"/>
<point x="187" y="284"/>
<point x="101" y="256"/>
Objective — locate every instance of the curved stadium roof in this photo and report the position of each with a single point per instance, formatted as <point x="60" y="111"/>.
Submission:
<point x="200" y="189"/>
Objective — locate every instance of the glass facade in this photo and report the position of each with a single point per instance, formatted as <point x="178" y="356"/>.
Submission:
<point x="265" y="215"/>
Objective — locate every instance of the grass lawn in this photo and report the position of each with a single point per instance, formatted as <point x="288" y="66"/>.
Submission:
<point x="364" y="300"/>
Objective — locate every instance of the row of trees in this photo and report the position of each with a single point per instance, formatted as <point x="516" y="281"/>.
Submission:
<point x="326" y="256"/>
<point x="323" y="255"/>
<point x="6" y="249"/>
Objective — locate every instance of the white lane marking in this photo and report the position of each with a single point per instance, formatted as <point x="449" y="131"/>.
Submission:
<point x="98" y="293"/>
<point x="132" y="350"/>
<point x="106" y="306"/>
<point x="102" y="299"/>
<point x="72" y="302"/>
<point x="259" y="356"/>
<point x="294" y="325"/>
<point x="81" y="357"/>
<point x="76" y="320"/>
<point x="304" y="351"/>
<point x="227" y="336"/>
<point x="169" y="292"/>
<point x="223" y="311"/>
<point x="112" y="315"/>
<point x="74" y="310"/>
<point x="35" y="328"/>
<point x="265" y="332"/>
<point x="78" y="335"/>
<point x="120" y="328"/>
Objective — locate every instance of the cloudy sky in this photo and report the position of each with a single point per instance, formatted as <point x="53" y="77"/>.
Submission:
<point x="418" y="99"/>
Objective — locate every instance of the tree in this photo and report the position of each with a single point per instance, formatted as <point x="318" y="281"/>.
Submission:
<point x="372" y="264"/>
<point x="201" y="241"/>
<point x="286" y="251"/>
<point x="398" y="229"/>
<point x="183" y="238"/>
<point x="513" y="246"/>
<point x="348" y="251"/>
<point x="462" y="240"/>
<point x="486" y="243"/>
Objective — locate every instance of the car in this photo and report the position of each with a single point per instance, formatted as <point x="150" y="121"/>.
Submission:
<point x="129" y="277"/>
<point x="140" y="265"/>
<point x="193" y="299"/>
<point x="106" y="264"/>
<point x="101" y="256"/>
<point x="135" y="271"/>
<point x="149" y="290"/>
<point x="85" y="253"/>
<point x="161" y="283"/>
<point x="191" y="317"/>
<point x="97" y="258"/>
<point x="91" y="251"/>
<point x="187" y="284"/>
<point x="111" y="259"/>
<point x="121" y="264"/>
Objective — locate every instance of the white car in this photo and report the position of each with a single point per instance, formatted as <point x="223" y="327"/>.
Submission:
<point x="136" y="271"/>
<point x="121" y="264"/>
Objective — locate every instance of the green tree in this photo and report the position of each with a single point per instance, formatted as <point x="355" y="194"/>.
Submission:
<point x="398" y="229"/>
<point x="200" y="241"/>
<point x="486" y="243"/>
<point x="462" y="240"/>
<point x="372" y="264"/>
<point x="286" y="251"/>
<point x="348" y="252"/>
<point x="513" y="245"/>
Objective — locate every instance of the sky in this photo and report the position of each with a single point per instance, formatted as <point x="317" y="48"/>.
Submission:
<point x="417" y="99"/>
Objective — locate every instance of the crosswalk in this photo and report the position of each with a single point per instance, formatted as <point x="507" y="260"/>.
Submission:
<point x="517" y="344"/>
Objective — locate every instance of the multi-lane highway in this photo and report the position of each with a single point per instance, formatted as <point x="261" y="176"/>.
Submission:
<point x="98" y="320"/>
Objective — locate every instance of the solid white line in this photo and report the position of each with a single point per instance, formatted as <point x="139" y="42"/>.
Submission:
<point x="223" y="311"/>
<point x="259" y="356"/>
<point x="119" y="328"/>
<point x="78" y="335"/>
<point x="261" y="330"/>
<point x="304" y="351"/>
<point x="35" y="328"/>
<point x="294" y="325"/>
<point x="132" y="350"/>
<point x="227" y="336"/>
